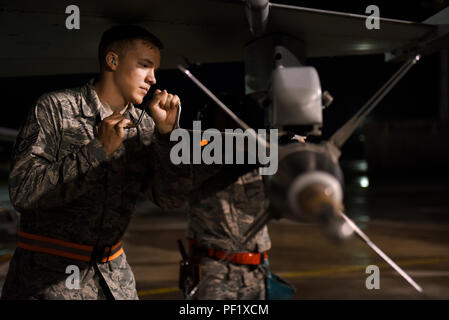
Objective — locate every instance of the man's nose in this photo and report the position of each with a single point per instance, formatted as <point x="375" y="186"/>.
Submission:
<point x="150" y="78"/>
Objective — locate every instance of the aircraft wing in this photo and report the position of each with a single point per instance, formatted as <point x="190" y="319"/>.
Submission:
<point x="35" y="40"/>
<point x="329" y="33"/>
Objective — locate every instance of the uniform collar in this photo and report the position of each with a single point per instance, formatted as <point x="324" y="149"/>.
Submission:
<point x="92" y="106"/>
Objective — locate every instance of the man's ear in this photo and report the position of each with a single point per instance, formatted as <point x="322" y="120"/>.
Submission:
<point x="112" y="60"/>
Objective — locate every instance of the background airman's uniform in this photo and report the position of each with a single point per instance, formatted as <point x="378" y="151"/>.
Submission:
<point x="218" y="221"/>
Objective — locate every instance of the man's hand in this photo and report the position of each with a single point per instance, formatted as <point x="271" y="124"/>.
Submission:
<point x="164" y="110"/>
<point x="111" y="132"/>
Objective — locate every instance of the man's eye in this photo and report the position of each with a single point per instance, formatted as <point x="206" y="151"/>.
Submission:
<point x="144" y="65"/>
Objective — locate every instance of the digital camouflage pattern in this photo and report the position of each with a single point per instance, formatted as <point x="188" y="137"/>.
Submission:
<point x="219" y="221"/>
<point x="65" y="187"/>
<point x="227" y="281"/>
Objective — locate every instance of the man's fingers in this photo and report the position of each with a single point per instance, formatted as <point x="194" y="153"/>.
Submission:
<point x="167" y="103"/>
<point x="159" y="98"/>
<point x="156" y="96"/>
<point x="113" y="120"/>
<point x="124" y="123"/>
<point x="174" y="102"/>
<point x="121" y="125"/>
<point x="171" y="102"/>
<point x="163" y="98"/>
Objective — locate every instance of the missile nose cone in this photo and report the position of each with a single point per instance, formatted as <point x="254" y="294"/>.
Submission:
<point x="318" y="203"/>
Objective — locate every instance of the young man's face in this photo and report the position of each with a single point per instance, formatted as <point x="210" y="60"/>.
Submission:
<point x="135" y="70"/>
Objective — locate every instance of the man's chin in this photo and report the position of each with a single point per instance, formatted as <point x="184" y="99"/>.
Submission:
<point x="137" y="100"/>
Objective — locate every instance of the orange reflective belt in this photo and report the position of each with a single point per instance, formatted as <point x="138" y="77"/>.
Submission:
<point x="252" y="258"/>
<point x="66" y="249"/>
<point x="240" y="257"/>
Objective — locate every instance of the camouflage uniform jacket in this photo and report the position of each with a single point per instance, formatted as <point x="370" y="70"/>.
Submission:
<point x="219" y="220"/>
<point x="67" y="188"/>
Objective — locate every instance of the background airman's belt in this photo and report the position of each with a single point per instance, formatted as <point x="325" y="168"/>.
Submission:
<point x="250" y="258"/>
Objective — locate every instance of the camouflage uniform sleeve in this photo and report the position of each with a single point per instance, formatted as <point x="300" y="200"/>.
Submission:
<point x="171" y="183"/>
<point x="175" y="185"/>
<point x="39" y="179"/>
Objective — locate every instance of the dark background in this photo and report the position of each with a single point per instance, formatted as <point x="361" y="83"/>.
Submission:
<point x="351" y="80"/>
<point x="415" y="149"/>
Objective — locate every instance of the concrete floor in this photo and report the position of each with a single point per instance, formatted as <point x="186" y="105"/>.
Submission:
<point x="301" y="255"/>
<point x="408" y="220"/>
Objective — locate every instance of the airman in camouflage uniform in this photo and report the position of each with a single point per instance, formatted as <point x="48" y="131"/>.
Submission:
<point x="71" y="183"/>
<point x="221" y="210"/>
<point x="225" y="201"/>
